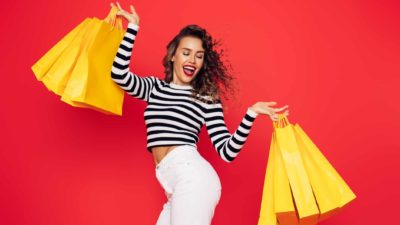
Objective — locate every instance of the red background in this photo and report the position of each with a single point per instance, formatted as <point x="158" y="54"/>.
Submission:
<point x="336" y="64"/>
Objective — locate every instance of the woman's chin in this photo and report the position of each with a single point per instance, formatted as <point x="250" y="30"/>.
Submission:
<point x="188" y="79"/>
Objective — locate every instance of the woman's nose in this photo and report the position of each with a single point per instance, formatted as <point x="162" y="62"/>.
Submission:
<point x="192" y="59"/>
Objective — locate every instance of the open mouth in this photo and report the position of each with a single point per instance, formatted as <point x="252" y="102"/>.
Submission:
<point x="189" y="70"/>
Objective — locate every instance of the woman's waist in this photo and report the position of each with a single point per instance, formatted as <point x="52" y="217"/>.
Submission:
<point x="175" y="154"/>
<point x="159" y="152"/>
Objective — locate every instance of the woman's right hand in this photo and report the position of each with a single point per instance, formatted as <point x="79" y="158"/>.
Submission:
<point x="132" y="17"/>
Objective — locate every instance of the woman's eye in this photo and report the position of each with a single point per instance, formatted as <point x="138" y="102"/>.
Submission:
<point x="187" y="54"/>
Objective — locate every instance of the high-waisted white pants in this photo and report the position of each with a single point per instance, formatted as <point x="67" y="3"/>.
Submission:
<point x="191" y="185"/>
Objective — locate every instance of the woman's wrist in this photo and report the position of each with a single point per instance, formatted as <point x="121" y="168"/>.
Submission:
<point x="134" y="26"/>
<point x="253" y="109"/>
<point x="252" y="112"/>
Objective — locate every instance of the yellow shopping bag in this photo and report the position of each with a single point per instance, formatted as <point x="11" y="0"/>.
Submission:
<point x="292" y="151"/>
<point x="77" y="74"/>
<point x="42" y="66"/>
<point x="330" y="190"/>
<point x="267" y="213"/>
<point x="90" y="84"/>
<point x="284" y="207"/>
<point x="288" y="149"/>
<point x="54" y="68"/>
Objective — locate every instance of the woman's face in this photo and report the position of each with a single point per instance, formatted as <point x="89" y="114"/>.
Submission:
<point x="188" y="60"/>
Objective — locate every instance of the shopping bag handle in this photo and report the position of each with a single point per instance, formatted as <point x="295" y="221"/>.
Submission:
<point x="113" y="19"/>
<point x="282" y="121"/>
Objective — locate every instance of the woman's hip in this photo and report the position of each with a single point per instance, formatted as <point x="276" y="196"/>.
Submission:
<point x="184" y="168"/>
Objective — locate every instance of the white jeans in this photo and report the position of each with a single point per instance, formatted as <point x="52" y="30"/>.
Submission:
<point x="191" y="185"/>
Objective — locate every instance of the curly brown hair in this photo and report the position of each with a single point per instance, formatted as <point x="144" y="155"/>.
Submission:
<point x="214" y="78"/>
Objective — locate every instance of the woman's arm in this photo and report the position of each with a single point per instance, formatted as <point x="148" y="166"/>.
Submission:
<point x="134" y="85"/>
<point x="227" y="145"/>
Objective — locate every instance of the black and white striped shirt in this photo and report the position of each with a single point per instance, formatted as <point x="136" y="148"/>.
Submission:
<point x="172" y="117"/>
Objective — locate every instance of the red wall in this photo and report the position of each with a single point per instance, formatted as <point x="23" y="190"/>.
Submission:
<point x="336" y="64"/>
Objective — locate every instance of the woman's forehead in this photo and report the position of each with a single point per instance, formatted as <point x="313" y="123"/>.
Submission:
<point x="191" y="44"/>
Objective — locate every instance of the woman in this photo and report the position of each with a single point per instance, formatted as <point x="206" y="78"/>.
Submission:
<point x="177" y="107"/>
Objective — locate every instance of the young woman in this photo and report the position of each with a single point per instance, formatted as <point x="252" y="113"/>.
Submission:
<point x="177" y="108"/>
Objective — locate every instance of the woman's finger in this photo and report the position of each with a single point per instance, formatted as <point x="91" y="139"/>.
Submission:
<point x="119" y="7"/>
<point x="112" y="4"/>
<point x="270" y="103"/>
<point x="132" y="9"/>
<point x="282" y="108"/>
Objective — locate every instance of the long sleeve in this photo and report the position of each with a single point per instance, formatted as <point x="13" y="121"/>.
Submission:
<point x="227" y="145"/>
<point x="134" y="85"/>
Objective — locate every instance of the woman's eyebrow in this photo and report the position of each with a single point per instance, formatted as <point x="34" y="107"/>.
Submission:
<point x="201" y="51"/>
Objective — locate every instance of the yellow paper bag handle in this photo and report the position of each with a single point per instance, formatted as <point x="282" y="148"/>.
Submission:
<point x="282" y="121"/>
<point x="113" y="19"/>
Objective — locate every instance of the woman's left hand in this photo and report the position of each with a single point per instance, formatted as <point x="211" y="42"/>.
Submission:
<point x="264" y="108"/>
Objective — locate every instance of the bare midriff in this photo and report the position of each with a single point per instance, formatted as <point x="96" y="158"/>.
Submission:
<point x="160" y="152"/>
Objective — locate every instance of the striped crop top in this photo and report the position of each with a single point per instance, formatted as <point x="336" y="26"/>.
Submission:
<point x="171" y="116"/>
